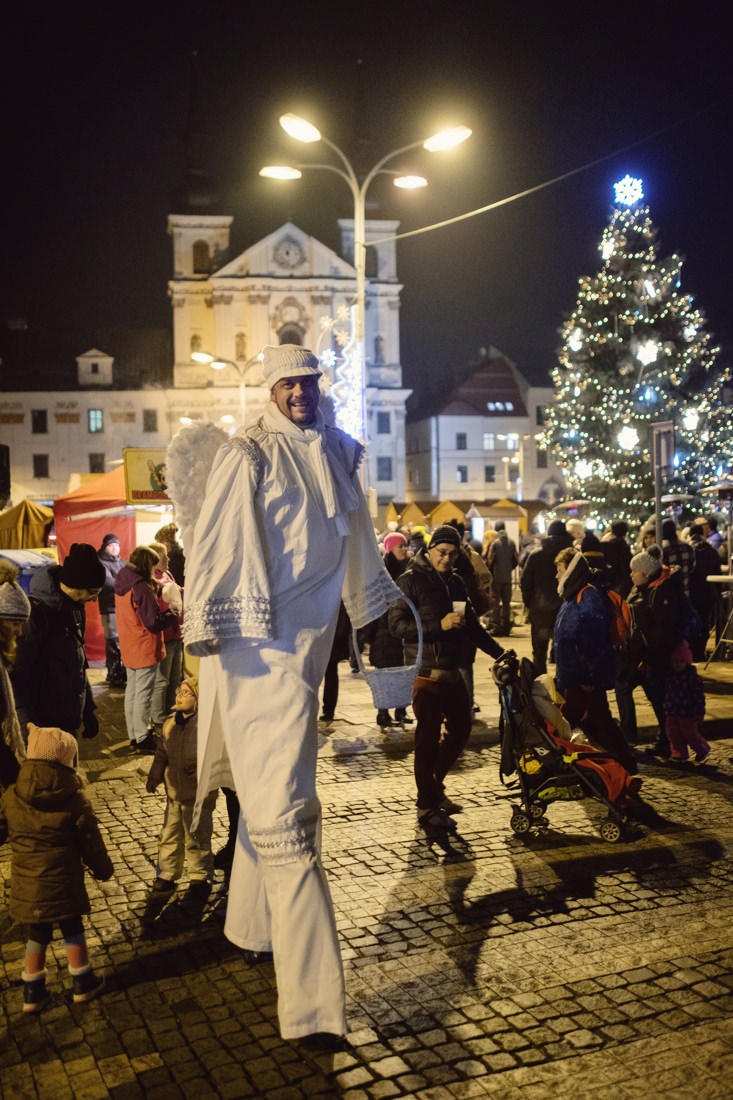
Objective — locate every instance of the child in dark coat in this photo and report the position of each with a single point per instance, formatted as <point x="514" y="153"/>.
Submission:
<point x="174" y="764"/>
<point x="53" y="834"/>
<point x="684" y="707"/>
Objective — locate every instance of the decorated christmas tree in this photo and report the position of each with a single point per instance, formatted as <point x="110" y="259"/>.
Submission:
<point x="635" y="353"/>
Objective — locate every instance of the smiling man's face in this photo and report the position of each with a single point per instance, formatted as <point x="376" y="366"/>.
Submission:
<point x="297" y="398"/>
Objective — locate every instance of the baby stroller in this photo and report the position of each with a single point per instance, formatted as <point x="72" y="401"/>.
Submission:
<point x="549" y="768"/>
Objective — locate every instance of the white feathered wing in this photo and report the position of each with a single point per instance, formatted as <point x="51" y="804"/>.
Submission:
<point x="190" y="456"/>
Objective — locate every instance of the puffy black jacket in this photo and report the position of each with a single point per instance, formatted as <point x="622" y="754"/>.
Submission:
<point x="385" y="651"/>
<point x="49" y="676"/>
<point x="433" y="595"/>
<point x="657" y="615"/>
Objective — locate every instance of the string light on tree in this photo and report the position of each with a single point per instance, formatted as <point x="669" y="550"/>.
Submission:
<point x="635" y="351"/>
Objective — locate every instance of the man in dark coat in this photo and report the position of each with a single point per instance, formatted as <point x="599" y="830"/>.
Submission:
<point x="49" y="677"/>
<point x="617" y="553"/>
<point x="676" y="552"/>
<point x="703" y="594"/>
<point x="539" y="591"/>
<point x="109" y="555"/>
<point x="502" y="559"/>
<point x="449" y="624"/>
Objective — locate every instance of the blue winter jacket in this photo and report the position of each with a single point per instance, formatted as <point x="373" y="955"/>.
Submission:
<point x="584" y="652"/>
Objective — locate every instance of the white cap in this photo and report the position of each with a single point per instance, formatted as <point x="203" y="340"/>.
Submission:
<point x="288" y="361"/>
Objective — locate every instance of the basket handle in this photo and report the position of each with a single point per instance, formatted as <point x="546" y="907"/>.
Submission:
<point x="413" y="609"/>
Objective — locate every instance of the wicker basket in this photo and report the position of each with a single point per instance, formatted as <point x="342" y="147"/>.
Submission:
<point x="392" y="687"/>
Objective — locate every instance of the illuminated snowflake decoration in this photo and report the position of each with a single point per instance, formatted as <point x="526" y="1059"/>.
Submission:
<point x="648" y="352"/>
<point x="575" y="340"/>
<point x="348" y="376"/>
<point x="628" y="191"/>
<point x="628" y="438"/>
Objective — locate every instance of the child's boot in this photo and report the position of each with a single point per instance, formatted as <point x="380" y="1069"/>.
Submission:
<point x="35" y="994"/>
<point x="87" y="984"/>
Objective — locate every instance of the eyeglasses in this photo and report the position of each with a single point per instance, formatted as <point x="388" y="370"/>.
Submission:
<point x="444" y="553"/>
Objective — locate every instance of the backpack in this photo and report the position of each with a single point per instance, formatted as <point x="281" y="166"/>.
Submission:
<point x="619" y="626"/>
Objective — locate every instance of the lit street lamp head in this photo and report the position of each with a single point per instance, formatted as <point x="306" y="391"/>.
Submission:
<point x="299" y="128"/>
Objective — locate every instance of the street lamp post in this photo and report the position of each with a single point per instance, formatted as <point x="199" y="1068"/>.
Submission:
<point x="217" y="362"/>
<point x="302" y="130"/>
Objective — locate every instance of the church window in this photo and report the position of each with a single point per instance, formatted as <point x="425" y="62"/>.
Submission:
<point x="201" y="258"/>
<point x="95" y="420"/>
<point x="39" y="421"/>
<point x="384" y="425"/>
<point x="40" y="466"/>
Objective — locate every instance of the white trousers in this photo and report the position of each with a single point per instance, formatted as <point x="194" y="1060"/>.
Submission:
<point x="279" y="900"/>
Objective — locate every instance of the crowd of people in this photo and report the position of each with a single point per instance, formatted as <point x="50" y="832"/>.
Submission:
<point x="285" y="579"/>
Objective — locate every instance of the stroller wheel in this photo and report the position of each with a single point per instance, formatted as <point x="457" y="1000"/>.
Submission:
<point x="537" y="811"/>
<point x="611" y="831"/>
<point x="520" y="822"/>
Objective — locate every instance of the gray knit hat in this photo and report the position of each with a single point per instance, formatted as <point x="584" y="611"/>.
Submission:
<point x="14" y="604"/>
<point x="647" y="561"/>
<point x="287" y="361"/>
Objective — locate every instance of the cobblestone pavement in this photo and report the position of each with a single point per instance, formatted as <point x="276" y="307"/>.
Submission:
<point x="483" y="965"/>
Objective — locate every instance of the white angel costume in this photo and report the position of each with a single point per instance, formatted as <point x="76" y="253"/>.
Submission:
<point x="283" y="534"/>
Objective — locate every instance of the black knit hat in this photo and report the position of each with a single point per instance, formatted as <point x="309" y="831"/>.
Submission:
<point x="82" y="568"/>
<point x="444" y="533"/>
<point x="108" y="539"/>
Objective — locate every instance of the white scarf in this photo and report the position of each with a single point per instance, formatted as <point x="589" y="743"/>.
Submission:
<point x="325" y="458"/>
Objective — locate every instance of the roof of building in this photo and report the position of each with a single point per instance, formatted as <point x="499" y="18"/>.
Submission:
<point x="493" y="388"/>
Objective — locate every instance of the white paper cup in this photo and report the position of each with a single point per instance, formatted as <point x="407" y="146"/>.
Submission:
<point x="459" y="606"/>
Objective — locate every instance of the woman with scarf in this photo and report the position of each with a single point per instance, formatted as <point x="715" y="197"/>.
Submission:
<point x="584" y="656"/>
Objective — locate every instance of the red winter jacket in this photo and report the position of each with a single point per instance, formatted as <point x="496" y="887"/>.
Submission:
<point x="140" y="621"/>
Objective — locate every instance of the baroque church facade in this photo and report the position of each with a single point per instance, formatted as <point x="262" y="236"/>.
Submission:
<point x="288" y="288"/>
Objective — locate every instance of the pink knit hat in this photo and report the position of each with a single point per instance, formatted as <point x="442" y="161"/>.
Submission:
<point x="49" y="743"/>
<point x="682" y="653"/>
<point x="394" y="538"/>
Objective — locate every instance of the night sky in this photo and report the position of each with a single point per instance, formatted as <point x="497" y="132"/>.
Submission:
<point x="96" y="96"/>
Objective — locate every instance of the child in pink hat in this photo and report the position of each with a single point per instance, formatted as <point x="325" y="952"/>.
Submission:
<point x="684" y="707"/>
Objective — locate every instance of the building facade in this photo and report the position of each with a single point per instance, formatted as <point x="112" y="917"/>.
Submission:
<point x="480" y="440"/>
